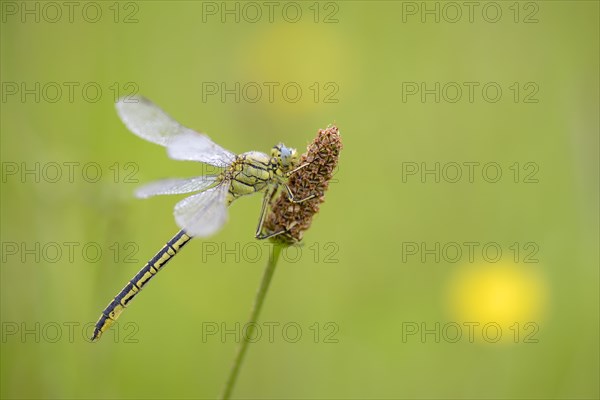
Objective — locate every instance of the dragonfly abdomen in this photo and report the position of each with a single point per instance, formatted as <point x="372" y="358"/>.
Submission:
<point x="133" y="287"/>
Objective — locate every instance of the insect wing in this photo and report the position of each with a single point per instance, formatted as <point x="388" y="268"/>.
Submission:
<point x="204" y="213"/>
<point x="176" y="186"/>
<point x="150" y="122"/>
<point x="147" y="120"/>
<point x="194" y="146"/>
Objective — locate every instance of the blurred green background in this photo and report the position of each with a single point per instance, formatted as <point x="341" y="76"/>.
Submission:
<point x="372" y="304"/>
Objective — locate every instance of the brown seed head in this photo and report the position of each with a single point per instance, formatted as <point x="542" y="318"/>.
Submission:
<point x="321" y="158"/>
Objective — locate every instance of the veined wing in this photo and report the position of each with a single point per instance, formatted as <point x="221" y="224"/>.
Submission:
<point x="176" y="186"/>
<point x="194" y="146"/>
<point x="149" y="122"/>
<point x="204" y="213"/>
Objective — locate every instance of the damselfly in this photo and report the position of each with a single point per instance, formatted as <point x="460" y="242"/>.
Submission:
<point x="204" y="213"/>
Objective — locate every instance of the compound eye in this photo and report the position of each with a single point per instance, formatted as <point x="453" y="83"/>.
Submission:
<point x="285" y="152"/>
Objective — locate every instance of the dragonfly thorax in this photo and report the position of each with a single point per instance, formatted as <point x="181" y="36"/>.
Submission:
<point x="254" y="171"/>
<point x="251" y="172"/>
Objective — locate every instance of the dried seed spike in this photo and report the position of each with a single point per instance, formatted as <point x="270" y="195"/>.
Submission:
<point x="322" y="158"/>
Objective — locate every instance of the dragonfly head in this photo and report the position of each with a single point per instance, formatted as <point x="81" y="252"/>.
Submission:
<point x="286" y="157"/>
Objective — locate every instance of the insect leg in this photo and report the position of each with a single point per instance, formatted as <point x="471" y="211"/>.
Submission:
<point x="288" y="174"/>
<point x="267" y="199"/>
<point x="293" y="199"/>
<point x="270" y="235"/>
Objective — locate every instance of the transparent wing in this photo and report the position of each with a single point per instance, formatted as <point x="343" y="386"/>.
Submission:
<point x="149" y="122"/>
<point x="193" y="146"/>
<point x="204" y="213"/>
<point x="176" y="186"/>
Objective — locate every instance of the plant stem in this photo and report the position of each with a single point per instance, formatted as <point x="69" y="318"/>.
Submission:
<point x="251" y="325"/>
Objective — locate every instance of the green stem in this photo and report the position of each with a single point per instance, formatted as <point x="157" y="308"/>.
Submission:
<point x="251" y="325"/>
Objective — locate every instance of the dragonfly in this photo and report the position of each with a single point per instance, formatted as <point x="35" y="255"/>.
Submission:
<point x="204" y="213"/>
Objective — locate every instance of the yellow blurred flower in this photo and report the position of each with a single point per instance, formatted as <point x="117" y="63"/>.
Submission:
<point x="297" y="68"/>
<point x="498" y="294"/>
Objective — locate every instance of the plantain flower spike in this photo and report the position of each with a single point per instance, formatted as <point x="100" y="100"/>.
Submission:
<point x="321" y="159"/>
